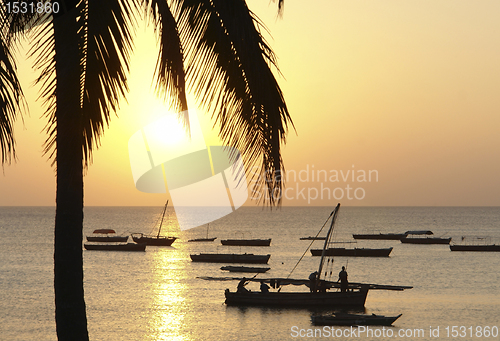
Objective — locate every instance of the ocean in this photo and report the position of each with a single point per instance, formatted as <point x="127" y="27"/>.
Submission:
<point x="159" y="295"/>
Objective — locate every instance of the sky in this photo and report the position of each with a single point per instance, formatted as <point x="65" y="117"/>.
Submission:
<point x="394" y="103"/>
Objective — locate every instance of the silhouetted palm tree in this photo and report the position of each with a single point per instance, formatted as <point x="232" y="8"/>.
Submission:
<point x="82" y="53"/>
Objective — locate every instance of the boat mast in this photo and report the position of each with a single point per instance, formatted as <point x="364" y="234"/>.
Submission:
<point x="327" y="240"/>
<point x="163" y="216"/>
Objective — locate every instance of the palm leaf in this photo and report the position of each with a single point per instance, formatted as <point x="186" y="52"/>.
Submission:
<point x="106" y="43"/>
<point x="229" y="68"/>
<point x="170" y="73"/>
<point x="11" y="95"/>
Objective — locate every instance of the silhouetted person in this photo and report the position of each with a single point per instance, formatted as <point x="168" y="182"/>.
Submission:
<point x="264" y="287"/>
<point x="241" y="286"/>
<point x="343" y="280"/>
<point x="312" y="281"/>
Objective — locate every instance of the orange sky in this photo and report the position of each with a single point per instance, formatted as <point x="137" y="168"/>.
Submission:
<point x="408" y="90"/>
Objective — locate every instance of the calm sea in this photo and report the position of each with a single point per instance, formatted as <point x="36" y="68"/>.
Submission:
<point x="157" y="295"/>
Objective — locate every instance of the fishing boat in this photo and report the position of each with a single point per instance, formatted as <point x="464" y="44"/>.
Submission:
<point x="155" y="240"/>
<point x="230" y="258"/>
<point x="203" y="239"/>
<point x="106" y="236"/>
<point x="244" y="269"/>
<point x="477" y="248"/>
<point x="341" y="319"/>
<point x="312" y="238"/>
<point x="320" y="292"/>
<point x="380" y="236"/>
<point x="246" y="242"/>
<point x="475" y="244"/>
<point x="355" y="252"/>
<point x="425" y="240"/>
<point x="115" y="247"/>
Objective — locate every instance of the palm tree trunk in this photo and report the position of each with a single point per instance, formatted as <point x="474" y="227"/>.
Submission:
<point x="71" y="320"/>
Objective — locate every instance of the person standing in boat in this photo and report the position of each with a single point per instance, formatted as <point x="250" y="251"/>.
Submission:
<point x="343" y="280"/>
<point x="241" y="285"/>
<point x="264" y="288"/>
<point x="312" y="281"/>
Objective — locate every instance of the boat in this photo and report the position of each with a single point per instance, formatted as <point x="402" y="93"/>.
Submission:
<point x="246" y="242"/>
<point x="203" y="239"/>
<point x="476" y="244"/>
<point x="244" y="269"/>
<point x="425" y="240"/>
<point x="230" y="258"/>
<point x="380" y="236"/>
<point x="355" y="252"/>
<point x="106" y="236"/>
<point x="312" y="238"/>
<point x="320" y="291"/>
<point x="157" y="240"/>
<point x="115" y="246"/>
<point x="342" y="319"/>
<point x="477" y="248"/>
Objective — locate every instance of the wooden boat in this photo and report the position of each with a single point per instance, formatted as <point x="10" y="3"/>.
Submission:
<point x="312" y="238"/>
<point x="425" y="240"/>
<point x="203" y="239"/>
<point x="319" y="292"/>
<point x="244" y="269"/>
<point x="115" y="247"/>
<point x="230" y="258"/>
<point x="476" y="248"/>
<point x="380" y="236"/>
<point x="106" y="236"/>
<point x="340" y="319"/>
<point x="155" y="240"/>
<point x="355" y="252"/>
<point x="246" y="242"/>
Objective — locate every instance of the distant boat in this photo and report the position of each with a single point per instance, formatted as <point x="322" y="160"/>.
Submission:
<point x="106" y="236"/>
<point x="312" y="238"/>
<point x="155" y="240"/>
<point x="230" y="258"/>
<point x="425" y="240"/>
<point x="203" y="239"/>
<point x="244" y="269"/>
<point x="353" y="320"/>
<point x="115" y="247"/>
<point x="380" y="236"/>
<point x="246" y="242"/>
<point x="355" y="252"/>
<point x="478" y="248"/>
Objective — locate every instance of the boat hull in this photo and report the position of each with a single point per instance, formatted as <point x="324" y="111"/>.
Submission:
<point x="353" y="320"/>
<point x="297" y="299"/>
<point x="230" y="258"/>
<point x="154" y="241"/>
<point x="202" y="239"/>
<point x="244" y="269"/>
<point x="426" y="240"/>
<point x="476" y="248"/>
<point x="246" y="242"/>
<point x="380" y="236"/>
<point x="115" y="247"/>
<point x="356" y="252"/>
<point x="107" y="239"/>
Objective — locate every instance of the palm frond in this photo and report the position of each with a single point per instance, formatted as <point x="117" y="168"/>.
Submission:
<point x="105" y="46"/>
<point x="229" y="68"/>
<point x="11" y="95"/>
<point x="169" y="71"/>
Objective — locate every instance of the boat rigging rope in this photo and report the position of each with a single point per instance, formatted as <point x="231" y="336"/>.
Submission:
<point x="321" y="229"/>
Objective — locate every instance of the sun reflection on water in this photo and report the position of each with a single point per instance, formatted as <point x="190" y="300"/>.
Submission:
<point x="168" y="307"/>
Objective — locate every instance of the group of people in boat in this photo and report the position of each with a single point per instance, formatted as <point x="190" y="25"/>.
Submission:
<point x="315" y="284"/>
